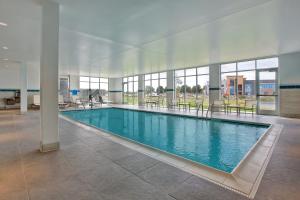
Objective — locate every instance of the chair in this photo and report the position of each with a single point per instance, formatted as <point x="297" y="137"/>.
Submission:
<point x="172" y="104"/>
<point x="250" y="105"/>
<point x="199" y="105"/>
<point x="94" y="102"/>
<point x="36" y="102"/>
<point x="220" y="105"/>
<point x="77" y="102"/>
<point x="152" y="100"/>
<point x="161" y="101"/>
<point x="61" y="102"/>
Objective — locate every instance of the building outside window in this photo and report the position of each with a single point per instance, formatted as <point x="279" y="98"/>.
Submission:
<point x="130" y="90"/>
<point x="192" y="85"/>
<point x="239" y="81"/>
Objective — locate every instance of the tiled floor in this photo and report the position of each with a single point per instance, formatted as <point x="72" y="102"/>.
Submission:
<point x="89" y="166"/>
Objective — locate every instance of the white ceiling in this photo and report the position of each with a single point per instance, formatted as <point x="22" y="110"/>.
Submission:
<point x="123" y="37"/>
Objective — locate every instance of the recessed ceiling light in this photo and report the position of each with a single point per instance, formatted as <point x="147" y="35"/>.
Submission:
<point x="5" y="47"/>
<point x="3" y="24"/>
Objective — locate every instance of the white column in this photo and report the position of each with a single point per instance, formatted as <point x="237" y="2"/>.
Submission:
<point x="214" y="82"/>
<point x="141" y="92"/>
<point x="23" y="87"/>
<point x="289" y="81"/>
<point x="49" y="76"/>
<point x="170" y="86"/>
<point x="115" y="90"/>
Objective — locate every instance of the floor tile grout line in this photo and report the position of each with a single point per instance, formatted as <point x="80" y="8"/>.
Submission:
<point x="21" y="161"/>
<point x="133" y="174"/>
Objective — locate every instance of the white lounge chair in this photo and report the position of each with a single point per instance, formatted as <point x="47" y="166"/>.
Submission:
<point x="96" y="103"/>
<point x="61" y="102"/>
<point x="219" y="104"/>
<point x="36" y="103"/>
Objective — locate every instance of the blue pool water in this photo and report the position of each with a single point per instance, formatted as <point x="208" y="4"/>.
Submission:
<point x="215" y="143"/>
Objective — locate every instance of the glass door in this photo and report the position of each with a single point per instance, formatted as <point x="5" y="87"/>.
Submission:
<point x="64" y="87"/>
<point x="267" y="91"/>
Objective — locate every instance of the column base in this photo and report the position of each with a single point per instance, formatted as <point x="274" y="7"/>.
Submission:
<point x="49" y="147"/>
<point x="22" y="112"/>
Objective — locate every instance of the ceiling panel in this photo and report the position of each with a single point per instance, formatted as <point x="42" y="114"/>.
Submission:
<point x="116" y="38"/>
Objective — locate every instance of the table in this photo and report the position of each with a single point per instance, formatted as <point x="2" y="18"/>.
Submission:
<point x="184" y="105"/>
<point x="151" y="103"/>
<point x="237" y="107"/>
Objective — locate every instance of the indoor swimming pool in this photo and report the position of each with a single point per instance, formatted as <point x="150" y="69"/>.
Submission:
<point x="218" y="144"/>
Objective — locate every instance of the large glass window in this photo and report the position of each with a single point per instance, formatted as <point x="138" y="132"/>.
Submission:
<point x="93" y="86"/>
<point x="104" y="88"/>
<point x="130" y="90"/>
<point x="238" y="80"/>
<point x="192" y="84"/>
<point x="84" y="82"/>
<point x="155" y="87"/>
<point x="84" y="85"/>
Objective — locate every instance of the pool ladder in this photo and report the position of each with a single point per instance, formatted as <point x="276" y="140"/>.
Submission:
<point x="206" y="115"/>
<point x="211" y="111"/>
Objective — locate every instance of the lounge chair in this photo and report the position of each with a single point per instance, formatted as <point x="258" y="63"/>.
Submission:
<point x="219" y="104"/>
<point x="77" y="102"/>
<point x="95" y="103"/>
<point x="36" y="103"/>
<point x="61" y="102"/>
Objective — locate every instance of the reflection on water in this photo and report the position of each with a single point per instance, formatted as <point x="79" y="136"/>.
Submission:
<point x="214" y="143"/>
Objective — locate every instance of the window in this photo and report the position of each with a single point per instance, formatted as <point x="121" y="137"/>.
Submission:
<point x="267" y="63"/>
<point x="130" y="90"/>
<point x="104" y="88"/>
<point x="93" y="86"/>
<point x="155" y="87"/>
<point x="84" y="82"/>
<point x="95" y="83"/>
<point x="192" y="84"/>
<point x="238" y="80"/>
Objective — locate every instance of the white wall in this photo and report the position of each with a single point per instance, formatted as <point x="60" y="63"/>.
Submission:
<point x="289" y="78"/>
<point x="289" y="69"/>
<point x="74" y="82"/>
<point x="115" y="90"/>
<point x="10" y="77"/>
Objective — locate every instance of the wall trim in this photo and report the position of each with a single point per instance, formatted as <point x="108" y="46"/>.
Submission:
<point x="214" y="88"/>
<point x="296" y="86"/>
<point x="115" y="91"/>
<point x="169" y="90"/>
<point x="14" y="90"/>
